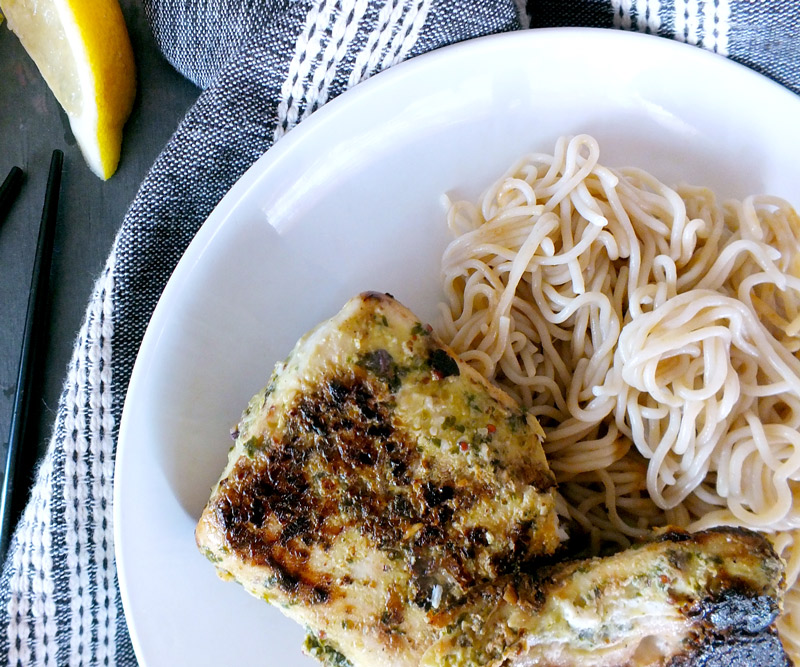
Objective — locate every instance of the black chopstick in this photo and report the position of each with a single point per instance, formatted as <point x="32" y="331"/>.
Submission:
<point x="9" y="191"/>
<point x="21" y="456"/>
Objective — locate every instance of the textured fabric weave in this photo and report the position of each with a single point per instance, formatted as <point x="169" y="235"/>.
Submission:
<point x="265" y="66"/>
<point x="764" y="35"/>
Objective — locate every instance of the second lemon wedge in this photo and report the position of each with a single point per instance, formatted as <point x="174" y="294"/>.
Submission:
<point x="84" y="54"/>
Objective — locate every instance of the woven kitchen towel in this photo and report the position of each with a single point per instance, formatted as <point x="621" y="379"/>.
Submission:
<point x="264" y="66"/>
<point x="762" y="34"/>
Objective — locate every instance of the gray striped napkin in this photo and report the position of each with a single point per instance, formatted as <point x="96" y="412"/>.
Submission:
<point x="264" y="67"/>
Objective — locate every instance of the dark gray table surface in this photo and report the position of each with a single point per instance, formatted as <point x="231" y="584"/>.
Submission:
<point x="32" y="125"/>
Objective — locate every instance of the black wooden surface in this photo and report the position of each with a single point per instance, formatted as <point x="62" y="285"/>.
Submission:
<point x="31" y="125"/>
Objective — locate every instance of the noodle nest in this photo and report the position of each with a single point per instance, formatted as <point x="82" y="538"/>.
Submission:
<point x="655" y="334"/>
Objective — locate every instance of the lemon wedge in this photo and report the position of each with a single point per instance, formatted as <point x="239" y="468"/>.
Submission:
<point x="84" y="53"/>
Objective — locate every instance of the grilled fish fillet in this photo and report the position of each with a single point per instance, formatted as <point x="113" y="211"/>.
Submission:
<point x="376" y="480"/>
<point x="708" y="599"/>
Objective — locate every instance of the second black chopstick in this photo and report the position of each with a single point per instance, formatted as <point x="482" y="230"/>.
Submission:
<point x="9" y="190"/>
<point x="21" y="455"/>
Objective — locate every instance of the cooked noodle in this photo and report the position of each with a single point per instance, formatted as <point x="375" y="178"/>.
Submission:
<point x="655" y="334"/>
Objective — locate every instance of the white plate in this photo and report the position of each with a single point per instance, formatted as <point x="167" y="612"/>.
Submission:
<point x="350" y="201"/>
